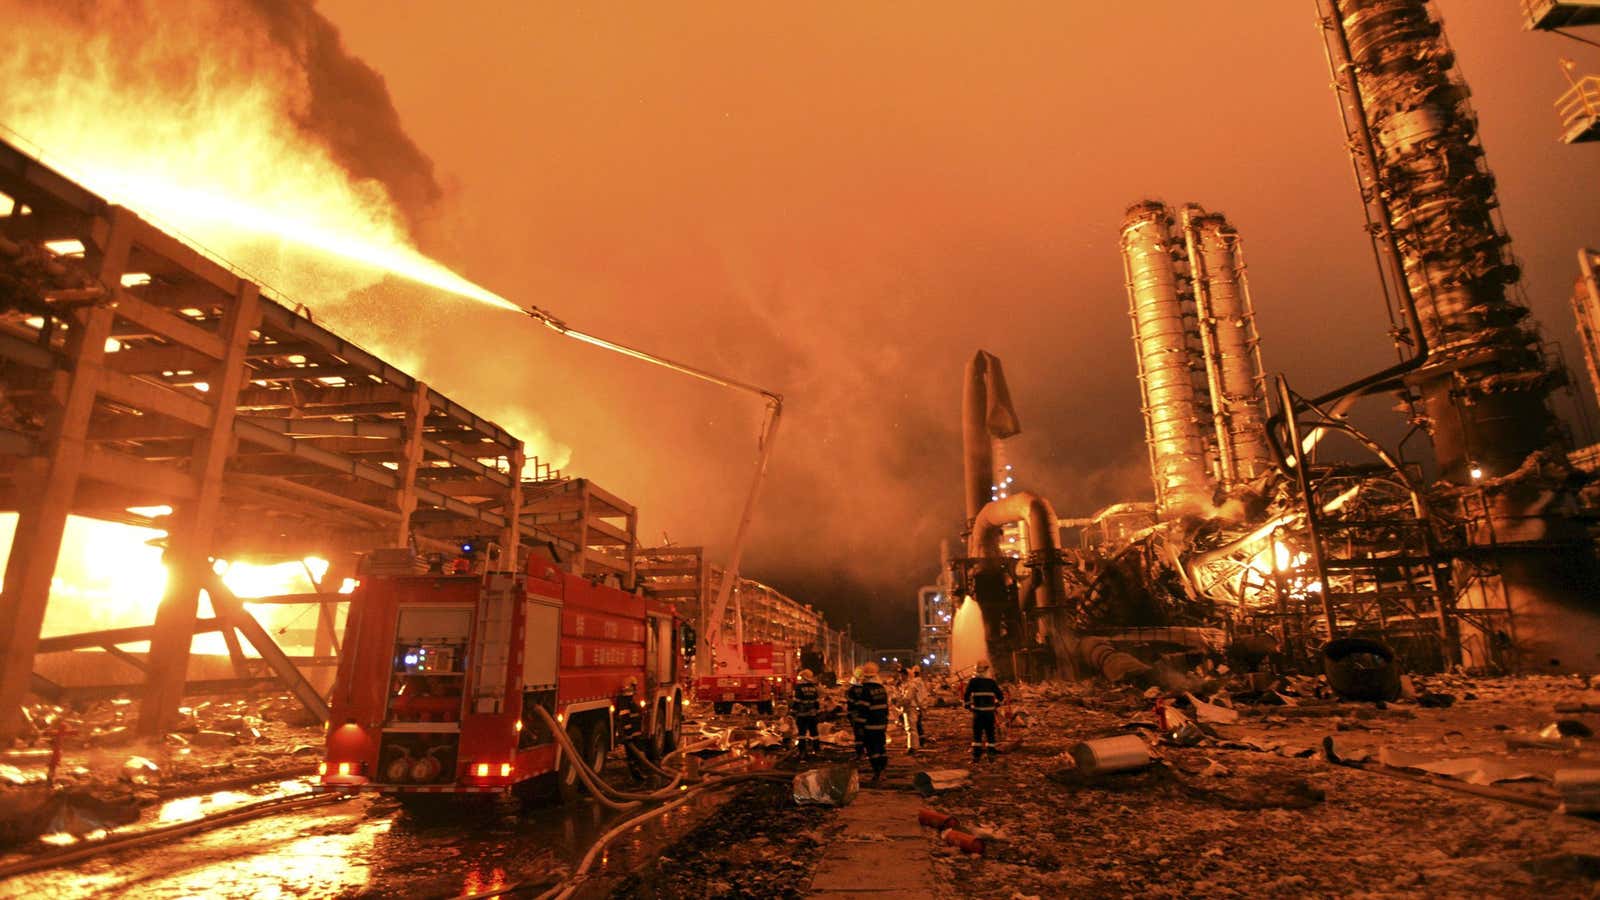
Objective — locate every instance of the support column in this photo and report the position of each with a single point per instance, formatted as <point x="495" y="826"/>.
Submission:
<point x="511" y="535"/>
<point x="411" y="459"/>
<point x="189" y="543"/>
<point x="42" y="516"/>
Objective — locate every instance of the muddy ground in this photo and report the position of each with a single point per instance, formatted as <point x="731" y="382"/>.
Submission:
<point x="1211" y="819"/>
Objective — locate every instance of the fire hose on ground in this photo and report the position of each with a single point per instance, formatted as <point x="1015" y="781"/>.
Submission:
<point x="623" y="800"/>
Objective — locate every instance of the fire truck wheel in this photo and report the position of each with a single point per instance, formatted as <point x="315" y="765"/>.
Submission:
<point x="675" y="718"/>
<point x="658" y="733"/>
<point x="568" y="784"/>
<point x="599" y="746"/>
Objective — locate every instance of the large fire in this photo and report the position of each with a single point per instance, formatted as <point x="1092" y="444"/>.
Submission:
<point x="208" y="140"/>
<point x="111" y="575"/>
<point x="191" y="115"/>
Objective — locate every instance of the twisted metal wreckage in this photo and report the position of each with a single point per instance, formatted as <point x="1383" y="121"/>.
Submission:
<point x="1254" y="545"/>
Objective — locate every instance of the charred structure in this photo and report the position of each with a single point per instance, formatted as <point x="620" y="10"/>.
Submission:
<point x="1479" y="380"/>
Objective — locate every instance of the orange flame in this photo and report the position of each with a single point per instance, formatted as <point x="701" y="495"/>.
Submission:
<point x="221" y="157"/>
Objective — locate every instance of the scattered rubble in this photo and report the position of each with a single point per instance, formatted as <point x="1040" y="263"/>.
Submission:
<point x="83" y="768"/>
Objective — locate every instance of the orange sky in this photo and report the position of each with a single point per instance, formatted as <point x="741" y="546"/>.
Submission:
<point x="844" y="201"/>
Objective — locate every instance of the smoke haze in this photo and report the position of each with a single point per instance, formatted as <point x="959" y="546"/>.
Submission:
<point x="842" y="203"/>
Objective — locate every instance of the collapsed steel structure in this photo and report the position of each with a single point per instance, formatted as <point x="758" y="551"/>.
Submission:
<point x="1479" y="379"/>
<point x="1488" y="563"/>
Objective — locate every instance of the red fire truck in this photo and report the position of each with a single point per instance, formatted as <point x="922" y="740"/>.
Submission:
<point x="761" y="673"/>
<point x="440" y="674"/>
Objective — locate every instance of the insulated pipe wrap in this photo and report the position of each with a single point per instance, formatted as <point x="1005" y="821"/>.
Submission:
<point x="1174" y="412"/>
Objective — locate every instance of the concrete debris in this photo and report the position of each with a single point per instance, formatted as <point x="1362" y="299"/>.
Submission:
<point x="1341" y="752"/>
<point x="1567" y="728"/>
<point x="1472" y="770"/>
<point x="827" y="786"/>
<point x="138" y="770"/>
<point x="1212" y="712"/>
<point x="1579" y="790"/>
<point x="937" y="781"/>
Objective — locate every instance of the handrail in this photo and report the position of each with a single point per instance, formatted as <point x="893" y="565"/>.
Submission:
<point x="1580" y="101"/>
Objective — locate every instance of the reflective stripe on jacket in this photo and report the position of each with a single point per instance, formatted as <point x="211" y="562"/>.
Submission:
<point x="983" y="694"/>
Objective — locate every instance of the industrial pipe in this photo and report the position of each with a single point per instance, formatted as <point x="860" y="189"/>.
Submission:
<point x="986" y="414"/>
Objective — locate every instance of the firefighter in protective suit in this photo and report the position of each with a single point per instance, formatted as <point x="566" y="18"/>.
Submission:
<point x="857" y="710"/>
<point x="875" y="725"/>
<point x="983" y="697"/>
<point x="630" y="728"/>
<point x="804" y="707"/>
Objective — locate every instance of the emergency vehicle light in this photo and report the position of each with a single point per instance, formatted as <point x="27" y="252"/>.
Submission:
<point x="505" y="770"/>
<point x="482" y="770"/>
<point x="344" y="768"/>
<point x="519" y="725"/>
<point x="322" y="768"/>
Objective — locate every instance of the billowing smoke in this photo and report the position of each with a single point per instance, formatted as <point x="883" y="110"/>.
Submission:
<point x="187" y="66"/>
<point x="346" y="106"/>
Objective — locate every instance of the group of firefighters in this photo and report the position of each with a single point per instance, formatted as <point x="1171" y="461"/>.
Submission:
<point x="867" y="705"/>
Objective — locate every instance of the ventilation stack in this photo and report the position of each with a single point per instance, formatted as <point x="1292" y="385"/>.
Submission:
<point x="1483" y="388"/>
<point x="1165" y="343"/>
<point x="1231" y="346"/>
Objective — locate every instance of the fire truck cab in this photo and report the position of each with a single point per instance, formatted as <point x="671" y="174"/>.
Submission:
<point x="440" y="677"/>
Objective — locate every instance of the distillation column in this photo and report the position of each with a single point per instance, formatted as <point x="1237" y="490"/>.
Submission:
<point x="1164" y="344"/>
<point x="1484" y="387"/>
<point x="1231" y="345"/>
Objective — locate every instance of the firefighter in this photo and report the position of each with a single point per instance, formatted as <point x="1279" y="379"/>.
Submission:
<point x="875" y="725"/>
<point x="983" y="696"/>
<point x="804" y="708"/>
<point x="857" y="711"/>
<point x="630" y="728"/>
<point x="913" y="696"/>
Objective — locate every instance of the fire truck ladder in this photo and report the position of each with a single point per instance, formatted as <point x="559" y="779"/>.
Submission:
<point x="769" y="432"/>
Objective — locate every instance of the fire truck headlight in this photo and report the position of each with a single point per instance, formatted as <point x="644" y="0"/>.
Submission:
<point x="505" y="770"/>
<point x="344" y="768"/>
<point x="482" y="771"/>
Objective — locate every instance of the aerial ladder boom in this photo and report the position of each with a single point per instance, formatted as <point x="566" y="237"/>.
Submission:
<point x="769" y="431"/>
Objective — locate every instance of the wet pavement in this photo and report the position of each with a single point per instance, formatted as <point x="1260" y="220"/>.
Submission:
<point x="364" y="847"/>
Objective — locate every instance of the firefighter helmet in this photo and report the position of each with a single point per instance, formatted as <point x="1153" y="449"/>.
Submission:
<point x="807" y="674"/>
<point x="870" y="669"/>
<point x="983" y="665"/>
